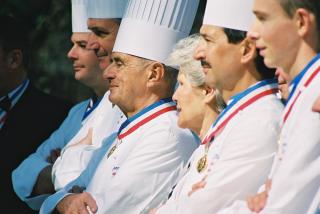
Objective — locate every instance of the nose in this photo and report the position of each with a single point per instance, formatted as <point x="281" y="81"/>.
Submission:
<point x="199" y="53"/>
<point x="253" y="31"/>
<point x="110" y="72"/>
<point x="92" y="43"/>
<point x="176" y="94"/>
<point x="72" y="54"/>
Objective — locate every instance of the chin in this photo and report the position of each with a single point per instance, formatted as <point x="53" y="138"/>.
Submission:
<point x="269" y="62"/>
<point x="113" y="99"/>
<point x="182" y="124"/>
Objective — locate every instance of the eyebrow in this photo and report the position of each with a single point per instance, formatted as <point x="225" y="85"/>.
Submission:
<point x="255" y="12"/>
<point x="117" y="59"/>
<point x="206" y="36"/>
<point x="98" y="29"/>
<point x="81" y="41"/>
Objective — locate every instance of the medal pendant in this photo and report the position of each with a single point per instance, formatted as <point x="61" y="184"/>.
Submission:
<point x="202" y="163"/>
<point x="112" y="150"/>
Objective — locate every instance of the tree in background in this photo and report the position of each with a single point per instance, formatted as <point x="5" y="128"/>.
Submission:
<point x="49" y="24"/>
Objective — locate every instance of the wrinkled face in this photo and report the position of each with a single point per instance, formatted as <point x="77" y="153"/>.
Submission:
<point x="275" y="34"/>
<point x="127" y="80"/>
<point x="219" y="58"/>
<point x="85" y="62"/>
<point x="190" y="104"/>
<point x="102" y="38"/>
<point x="284" y="82"/>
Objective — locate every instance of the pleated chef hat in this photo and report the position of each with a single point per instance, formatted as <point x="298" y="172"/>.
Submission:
<point x="106" y="9"/>
<point x="233" y="14"/>
<point x="79" y="16"/>
<point x="150" y="28"/>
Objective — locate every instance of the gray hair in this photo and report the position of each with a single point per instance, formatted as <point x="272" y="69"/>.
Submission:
<point x="182" y="56"/>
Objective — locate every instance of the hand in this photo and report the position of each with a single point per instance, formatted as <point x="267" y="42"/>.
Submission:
<point x="257" y="203"/>
<point x="54" y="154"/>
<point x="153" y="211"/>
<point x="44" y="183"/>
<point x="316" y="105"/>
<point x="87" y="140"/>
<point x="199" y="185"/>
<point x="76" y="189"/>
<point x="82" y="203"/>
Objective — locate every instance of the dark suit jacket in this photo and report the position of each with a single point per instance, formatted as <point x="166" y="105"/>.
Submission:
<point x="34" y="117"/>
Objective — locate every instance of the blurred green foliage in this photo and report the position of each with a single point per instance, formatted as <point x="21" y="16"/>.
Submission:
<point x="49" y="30"/>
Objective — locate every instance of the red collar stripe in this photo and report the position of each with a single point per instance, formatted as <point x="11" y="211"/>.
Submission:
<point x="241" y="107"/>
<point x="307" y="83"/>
<point x="146" y="120"/>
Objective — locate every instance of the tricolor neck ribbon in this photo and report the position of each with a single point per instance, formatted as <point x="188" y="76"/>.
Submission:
<point x="145" y="115"/>
<point x="238" y="103"/>
<point x="92" y="105"/>
<point x="300" y="83"/>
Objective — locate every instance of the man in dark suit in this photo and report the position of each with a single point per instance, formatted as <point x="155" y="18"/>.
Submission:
<point x="27" y="115"/>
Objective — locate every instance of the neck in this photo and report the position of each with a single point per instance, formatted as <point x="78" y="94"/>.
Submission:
<point x="100" y="93"/>
<point x="210" y="116"/>
<point x="300" y="62"/>
<point x="250" y="77"/>
<point x="101" y="89"/>
<point x="141" y="103"/>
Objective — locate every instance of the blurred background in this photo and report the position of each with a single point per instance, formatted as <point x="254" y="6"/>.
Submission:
<point x="49" y="30"/>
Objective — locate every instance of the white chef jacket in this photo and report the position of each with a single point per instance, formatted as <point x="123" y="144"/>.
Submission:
<point x="141" y="171"/>
<point x="25" y="175"/>
<point x="315" y="205"/>
<point x="296" y="177"/>
<point x="239" y="158"/>
<point x="105" y="120"/>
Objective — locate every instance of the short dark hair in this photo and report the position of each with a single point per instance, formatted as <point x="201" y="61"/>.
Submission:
<point x="237" y="36"/>
<point x="14" y="36"/>
<point x="290" y="7"/>
<point x="171" y="75"/>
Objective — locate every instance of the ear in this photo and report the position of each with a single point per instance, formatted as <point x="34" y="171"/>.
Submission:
<point x="304" y="20"/>
<point x="15" y="59"/>
<point x="155" y="72"/>
<point x="209" y="94"/>
<point x="248" y="50"/>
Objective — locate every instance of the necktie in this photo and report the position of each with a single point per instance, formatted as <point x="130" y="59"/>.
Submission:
<point x="5" y="104"/>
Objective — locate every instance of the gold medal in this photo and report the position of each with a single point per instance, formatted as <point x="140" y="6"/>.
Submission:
<point x="202" y="163"/>
<point x="114" y="147"/>
<point x="112" y="150"/>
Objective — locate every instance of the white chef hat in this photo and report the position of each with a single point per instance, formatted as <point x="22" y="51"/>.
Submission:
<point x="106" y="9"/>
<point x="150" y="28"/>
<point x="233" y="14"/>
<point x="79" y="15"/>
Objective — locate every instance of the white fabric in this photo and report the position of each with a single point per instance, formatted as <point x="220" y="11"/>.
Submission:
<point x="79" y="16"/>
<point x="315" y="205"/>
<point x="105" y="120"/>
<point x="238" y="167"/>
<point x="106" y="9"/>
<point x="140" y="173"/>
<point x="296" y="178"/>
<point x="154" y="27"/>
<point x="229" y="14"/>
